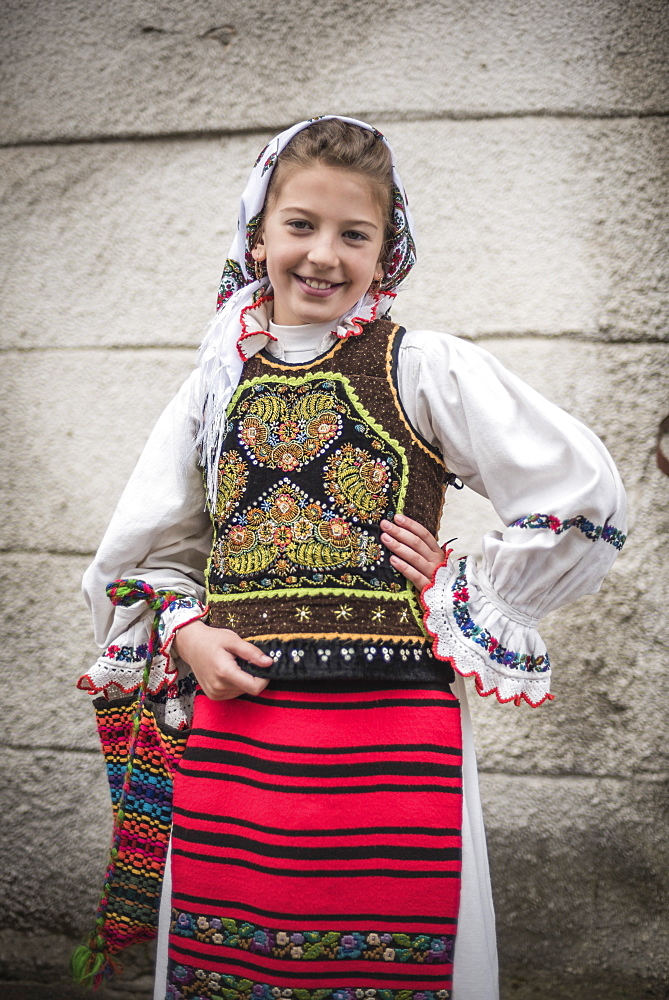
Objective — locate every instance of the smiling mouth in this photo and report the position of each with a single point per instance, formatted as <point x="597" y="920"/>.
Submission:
<point x="317" y="285"/>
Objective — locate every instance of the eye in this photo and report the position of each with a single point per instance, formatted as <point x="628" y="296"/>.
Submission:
<point x="300" y="225"/>
<point x="353" y="234"/>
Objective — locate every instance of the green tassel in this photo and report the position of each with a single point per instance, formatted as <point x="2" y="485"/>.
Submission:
<point x="88" y="966"/>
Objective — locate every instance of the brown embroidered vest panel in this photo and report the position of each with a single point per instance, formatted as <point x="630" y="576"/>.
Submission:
<point x="315" y="456"/>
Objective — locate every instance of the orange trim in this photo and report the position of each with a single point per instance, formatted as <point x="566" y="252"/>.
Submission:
<point x="344" y="636"/>
<point x="304" y="364"/>
<point x="433" y="454"/>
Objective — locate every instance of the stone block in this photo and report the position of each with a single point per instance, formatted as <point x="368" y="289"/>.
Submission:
<point x="579" y="870"/>
<point x="117" y="244"/>
<point x="524" y="227"/>
<point x="80" y="71"/>
<point x="47" y="645"/>
<point x="538" y="227"/>
<point x="56" y="824"/>
<point x="73" y="425"/>
<point x="35" y="965"/>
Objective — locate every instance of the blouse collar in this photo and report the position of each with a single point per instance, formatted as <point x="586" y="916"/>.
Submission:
<point x="258" y="330"/>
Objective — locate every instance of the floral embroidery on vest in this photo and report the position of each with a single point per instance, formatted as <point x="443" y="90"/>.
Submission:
<point x="292" y="537"/>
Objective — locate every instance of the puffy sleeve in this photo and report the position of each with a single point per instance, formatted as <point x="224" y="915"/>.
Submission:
<point x="552" y="483"/>
<point x="160" y="533"/>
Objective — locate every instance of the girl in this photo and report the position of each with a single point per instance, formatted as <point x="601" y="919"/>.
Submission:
<point x="327" y="839"/>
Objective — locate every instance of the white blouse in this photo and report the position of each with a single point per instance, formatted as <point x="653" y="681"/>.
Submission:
<point x="548" y="477"/>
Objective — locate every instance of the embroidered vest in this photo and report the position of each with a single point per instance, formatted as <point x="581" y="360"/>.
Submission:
<point x="316" y="455"/>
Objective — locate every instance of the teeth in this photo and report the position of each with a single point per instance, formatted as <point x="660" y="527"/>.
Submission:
<point x="317" y="284"/>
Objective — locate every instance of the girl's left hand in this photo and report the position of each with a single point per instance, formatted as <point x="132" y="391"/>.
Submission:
<point x="415" y="552"/>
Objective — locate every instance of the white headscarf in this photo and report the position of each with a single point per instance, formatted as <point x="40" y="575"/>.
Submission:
<point x="221" y="358"/>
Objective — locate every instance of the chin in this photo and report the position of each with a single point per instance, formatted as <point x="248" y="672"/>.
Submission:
<point x="311" y="314"/>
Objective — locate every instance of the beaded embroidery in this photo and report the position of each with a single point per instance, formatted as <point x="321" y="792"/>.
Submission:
<point x="607" y="532"/>
<point x="482" y="637"/>
<point x="290" y="538"/>
<point x="286" y="427"/>
<point x="286" y="532"/>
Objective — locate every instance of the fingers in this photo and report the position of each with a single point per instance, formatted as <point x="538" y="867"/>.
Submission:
<point x="223" y="679"/>
<point x="418" y="556"/>
<point x="236" y="681"/>
<point x="413" y="534"/>
<point x="419" y="579"/>
<point x="226" y="679"/>
<point x="415" y="553"/>
<point x="245" y="650"/>
<point x="211" y="654"/>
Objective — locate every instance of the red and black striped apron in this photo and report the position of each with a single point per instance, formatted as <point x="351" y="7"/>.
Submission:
<point x="316" y="847"/>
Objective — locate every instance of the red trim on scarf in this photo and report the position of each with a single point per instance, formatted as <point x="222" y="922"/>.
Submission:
<point x="246" y="333"/>
<point x="358" y="321"/>
<point x="355" y="331"/>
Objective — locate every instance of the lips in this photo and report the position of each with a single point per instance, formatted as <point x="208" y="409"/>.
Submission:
<point x="318" y="287"/>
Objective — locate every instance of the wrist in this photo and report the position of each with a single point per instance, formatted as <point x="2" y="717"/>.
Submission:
<point x="185" y="637"/>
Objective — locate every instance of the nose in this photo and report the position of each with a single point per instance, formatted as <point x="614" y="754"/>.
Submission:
<point x="322" y="251"/>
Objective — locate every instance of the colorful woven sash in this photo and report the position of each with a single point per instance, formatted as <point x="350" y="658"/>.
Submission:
<point x="140" y="761"/>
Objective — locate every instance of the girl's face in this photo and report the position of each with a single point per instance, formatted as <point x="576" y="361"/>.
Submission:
<point x="322" y="238"/>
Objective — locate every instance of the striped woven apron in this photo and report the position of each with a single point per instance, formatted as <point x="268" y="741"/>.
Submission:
<point x="316" y="845"/>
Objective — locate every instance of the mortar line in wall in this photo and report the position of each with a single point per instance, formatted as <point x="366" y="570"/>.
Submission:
<point x="569" y="335"/>
<point x="73" y="553"/>
<point x="48" y="348"/>
<point x="188" y="135"/>
<point x="649" y="778"/>
<point x="657" y="777"/>
<point x="48" y="747"/>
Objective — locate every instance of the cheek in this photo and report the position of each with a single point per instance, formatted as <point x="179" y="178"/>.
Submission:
<point x="278" y="260"/>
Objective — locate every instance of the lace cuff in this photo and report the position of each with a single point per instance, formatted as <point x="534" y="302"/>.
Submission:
<point x="118" y="671"/>
<point x="481" y="635"/>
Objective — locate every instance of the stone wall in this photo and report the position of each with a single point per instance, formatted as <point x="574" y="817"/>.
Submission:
<point x="532" y="137"/>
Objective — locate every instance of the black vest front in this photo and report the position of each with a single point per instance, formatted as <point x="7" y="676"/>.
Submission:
<point x="315" y="456"/>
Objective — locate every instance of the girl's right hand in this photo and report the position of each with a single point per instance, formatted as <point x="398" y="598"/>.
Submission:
<point x="211" y="654"/>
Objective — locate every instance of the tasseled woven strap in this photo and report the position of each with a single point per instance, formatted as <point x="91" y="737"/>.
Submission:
<point x="92" y="962"/>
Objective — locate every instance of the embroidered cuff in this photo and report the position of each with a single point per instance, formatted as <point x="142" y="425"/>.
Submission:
<point x="118" y="671"/>
<point x="484" y="638"/>
<point x="178" y="613"/>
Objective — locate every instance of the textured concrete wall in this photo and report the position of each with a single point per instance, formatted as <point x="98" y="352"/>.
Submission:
<point x="532" y="136"/>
